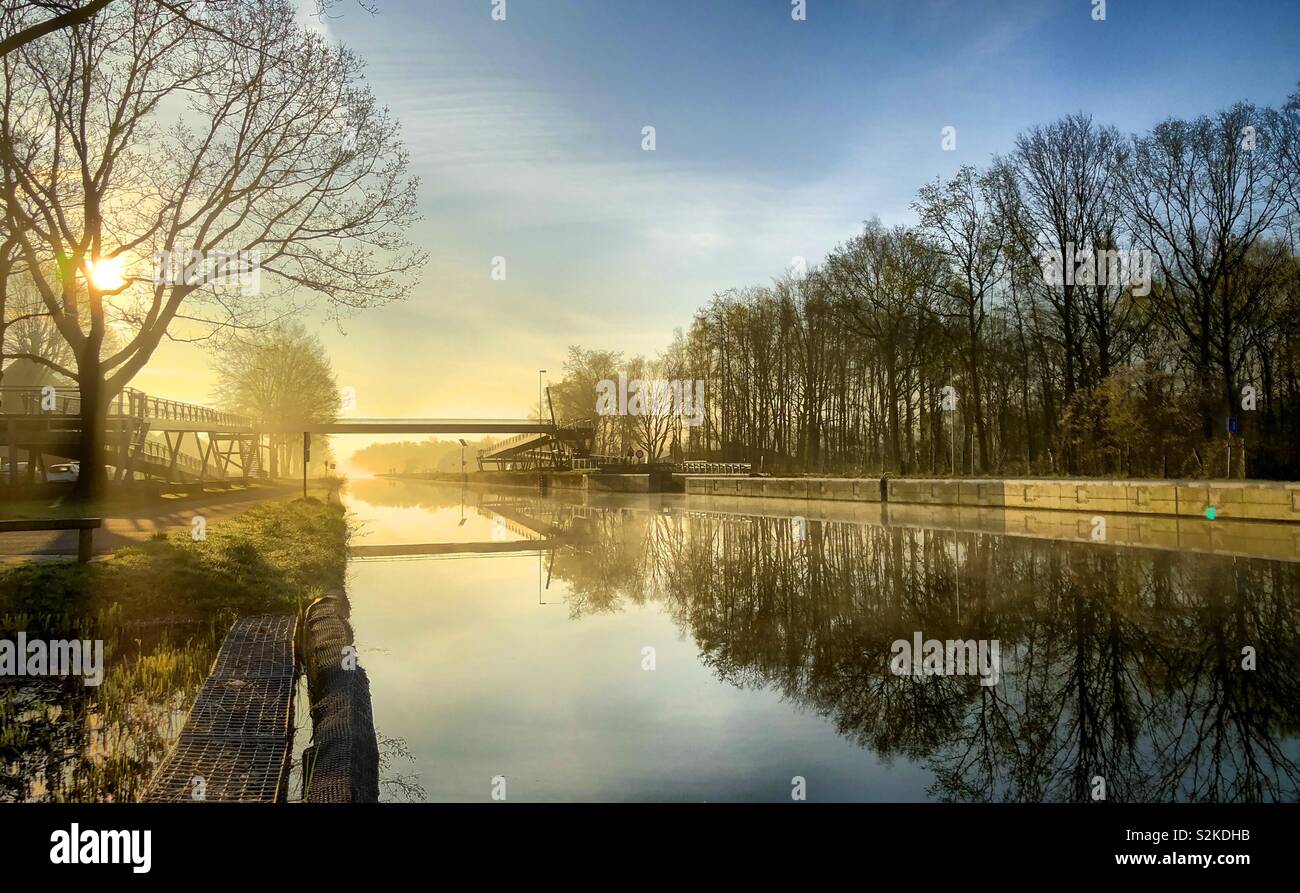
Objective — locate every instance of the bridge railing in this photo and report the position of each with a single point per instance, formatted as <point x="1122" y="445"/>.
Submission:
<point x="129" y="403"/>
<point x="596" y="461"/>
<point x="504" y="445"/>
<point x="160" y="454"/>
<point x="716" y="468"/>
<point x="713" y="467"/>
<point x="144" y="406"/>
<point x="31" y="400"/>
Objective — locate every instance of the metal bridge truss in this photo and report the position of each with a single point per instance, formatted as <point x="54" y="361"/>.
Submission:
<point x="558" y="446"/>
<point x="44" y="424"/>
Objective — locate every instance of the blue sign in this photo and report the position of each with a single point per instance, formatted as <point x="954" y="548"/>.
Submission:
<point x="1233" y="425"/>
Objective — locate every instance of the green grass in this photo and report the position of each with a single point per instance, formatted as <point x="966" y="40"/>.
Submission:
<point x="269" y="558"/>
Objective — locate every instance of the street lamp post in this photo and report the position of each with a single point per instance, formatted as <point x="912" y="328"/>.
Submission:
<point x="952" y="441"/>
<point x="540" y="373"/>
<point x="541" y="486"/>
<point x="464" y="478"/>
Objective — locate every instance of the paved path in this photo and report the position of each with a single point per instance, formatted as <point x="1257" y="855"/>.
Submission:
<point x="125" y="527"/>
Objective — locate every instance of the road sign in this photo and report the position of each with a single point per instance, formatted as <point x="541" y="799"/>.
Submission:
<point x="1234" y="426"/>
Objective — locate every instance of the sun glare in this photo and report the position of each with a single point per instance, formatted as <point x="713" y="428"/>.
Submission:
<point x="106" y="274"/>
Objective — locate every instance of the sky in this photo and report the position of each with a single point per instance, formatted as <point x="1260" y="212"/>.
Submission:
<point x="774" y="139"/>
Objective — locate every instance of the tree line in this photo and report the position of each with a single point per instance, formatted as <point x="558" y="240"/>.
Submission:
<point x="1087" y="303"/>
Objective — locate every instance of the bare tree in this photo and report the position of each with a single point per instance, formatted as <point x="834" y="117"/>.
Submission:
<point x="574" y="397"/>
<point x="1284" y="124"/>
<point x="883" y="283"/>
<point x="47" y="16"/>
<point x="19" y="32"/>
<point x="281" y="376"/>
<point x="1201" y="194"/>
<point x="28" y="338"/>
<point x="960" y="217"/>
<point x="277" y="155"/>
<point x="657" y="420"/>
<point x="1063" y="177"/>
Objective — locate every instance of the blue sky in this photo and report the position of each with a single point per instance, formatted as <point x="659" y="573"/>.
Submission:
<point x="775" y="138"/>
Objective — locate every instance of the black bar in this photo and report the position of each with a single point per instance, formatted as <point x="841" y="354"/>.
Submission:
<point x="937" y="843"/>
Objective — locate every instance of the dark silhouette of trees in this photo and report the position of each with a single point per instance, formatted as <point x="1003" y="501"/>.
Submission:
<point x="951" y="347"/>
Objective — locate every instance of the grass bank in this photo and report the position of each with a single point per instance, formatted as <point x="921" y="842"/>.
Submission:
<point x="268" y="558"/>
<point x="161" y="609"/>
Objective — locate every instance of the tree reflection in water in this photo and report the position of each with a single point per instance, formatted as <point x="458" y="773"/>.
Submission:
<point x="1116" y="662"/>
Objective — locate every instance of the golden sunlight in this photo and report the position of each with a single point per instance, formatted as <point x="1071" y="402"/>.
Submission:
<point x="106" y="274"/>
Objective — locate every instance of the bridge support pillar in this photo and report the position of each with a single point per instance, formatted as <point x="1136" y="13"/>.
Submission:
<point x="173" y="451"/>
<point x="204" y="450"/>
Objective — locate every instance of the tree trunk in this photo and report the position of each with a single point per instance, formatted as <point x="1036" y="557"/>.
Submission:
<point x="1204" y="375"/>
<point x="895" y="441"/>
<point x="92" y="481"/>
<point x="977" y="391"/>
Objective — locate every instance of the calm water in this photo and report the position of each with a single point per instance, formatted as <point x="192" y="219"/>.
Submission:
<point x="771" y="644"/>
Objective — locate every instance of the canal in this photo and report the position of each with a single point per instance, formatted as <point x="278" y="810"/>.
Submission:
<point x="643" y="648"/>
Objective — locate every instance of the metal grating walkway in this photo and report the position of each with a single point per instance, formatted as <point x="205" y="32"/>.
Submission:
<point x="242" y="709"/>
<point x="256" y="648"/>
<point x="235" y="745"/>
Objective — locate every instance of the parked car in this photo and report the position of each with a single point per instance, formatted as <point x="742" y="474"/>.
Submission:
<point x="64" y="471"/>
<point x="4" y="471"/>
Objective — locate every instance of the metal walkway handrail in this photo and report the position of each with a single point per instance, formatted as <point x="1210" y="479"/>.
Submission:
<point x="129" y="403"/>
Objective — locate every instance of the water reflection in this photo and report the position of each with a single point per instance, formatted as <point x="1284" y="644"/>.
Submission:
<point x="63" y="741"/>
<point x="1119" y="663"/>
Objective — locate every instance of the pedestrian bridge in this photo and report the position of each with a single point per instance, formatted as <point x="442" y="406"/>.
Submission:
<point x="417" y="426"/>
<point x="42" y="425"/>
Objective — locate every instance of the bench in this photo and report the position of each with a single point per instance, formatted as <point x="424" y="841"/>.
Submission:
<point x="84" y="526"/>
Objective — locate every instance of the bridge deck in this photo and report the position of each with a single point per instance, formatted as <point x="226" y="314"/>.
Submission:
<point x="62" y="407"/>
<point x="417" y="426"/>
<point x="513" y="446"/>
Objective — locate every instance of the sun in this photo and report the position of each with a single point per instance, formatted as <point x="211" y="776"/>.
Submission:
<point x="106" y="274"/>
